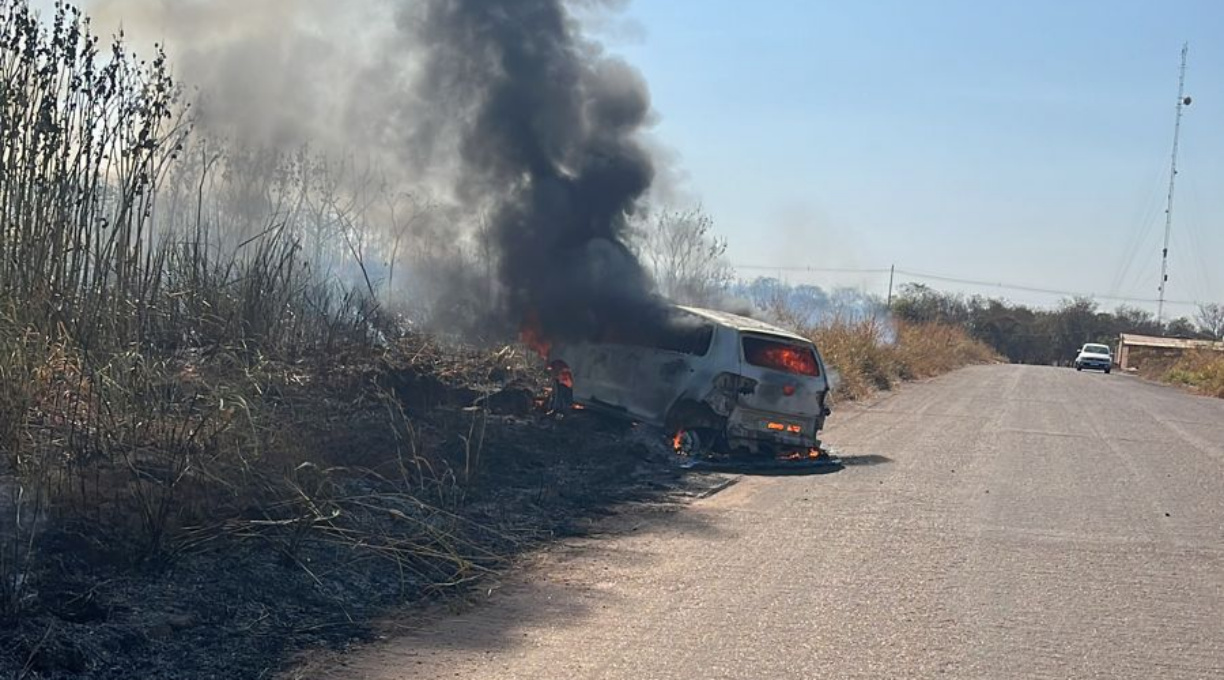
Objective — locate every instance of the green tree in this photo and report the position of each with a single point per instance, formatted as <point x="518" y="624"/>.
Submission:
<point x="1182" y="328"/>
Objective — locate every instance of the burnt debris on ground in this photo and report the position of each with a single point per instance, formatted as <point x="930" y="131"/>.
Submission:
<point x="438" y="465"/>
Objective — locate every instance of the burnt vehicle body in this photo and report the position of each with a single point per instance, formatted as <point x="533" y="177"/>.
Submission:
<point x="719" y="382"/>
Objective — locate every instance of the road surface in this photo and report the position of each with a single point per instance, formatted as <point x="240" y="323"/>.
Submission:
<point x="999" y="522"/>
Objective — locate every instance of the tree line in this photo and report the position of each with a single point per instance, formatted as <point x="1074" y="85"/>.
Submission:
<point x="689" y="262"/>
<point x="1047" y="336"/>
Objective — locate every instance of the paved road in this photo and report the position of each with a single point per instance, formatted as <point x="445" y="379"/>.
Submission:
<point x="1002" y="522"/>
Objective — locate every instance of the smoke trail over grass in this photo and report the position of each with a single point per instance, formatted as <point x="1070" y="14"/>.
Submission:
<point x="526" y="135"/>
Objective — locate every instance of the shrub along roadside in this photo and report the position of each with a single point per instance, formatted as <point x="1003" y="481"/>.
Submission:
<point x="874" y="355"/>
<point x="1202" y="371"/>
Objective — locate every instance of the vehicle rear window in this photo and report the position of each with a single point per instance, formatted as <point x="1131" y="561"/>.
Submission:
<point x="781" y="355"/>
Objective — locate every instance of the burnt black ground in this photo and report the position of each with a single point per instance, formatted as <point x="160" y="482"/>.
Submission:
<point x="231" y="608"/>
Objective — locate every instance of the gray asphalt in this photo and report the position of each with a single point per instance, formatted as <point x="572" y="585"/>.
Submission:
<point x="999" y="522"/>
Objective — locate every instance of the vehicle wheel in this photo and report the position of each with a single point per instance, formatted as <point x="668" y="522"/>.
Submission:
<point x="1107" y="371"/>
<point x="1079" y="368"/>
<point x="694" y="443"/>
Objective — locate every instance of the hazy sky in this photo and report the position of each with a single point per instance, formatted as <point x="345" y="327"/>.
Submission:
<point x="1016" y="142"/>
<point x="1020" y="142"/>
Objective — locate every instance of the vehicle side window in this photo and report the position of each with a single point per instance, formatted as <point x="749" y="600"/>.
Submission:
<point x="687" y="339"/>
<point x="685" y="335"/>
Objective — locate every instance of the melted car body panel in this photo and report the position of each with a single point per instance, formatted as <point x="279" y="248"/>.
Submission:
<point x="707" y="382"/>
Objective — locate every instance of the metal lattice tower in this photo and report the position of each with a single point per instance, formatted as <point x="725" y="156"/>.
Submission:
<point x="1182" y="102"/>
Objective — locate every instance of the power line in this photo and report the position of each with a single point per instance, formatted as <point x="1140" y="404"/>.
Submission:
<point x="816" y="270"/>
<point x="963" y="281"/>
<point x="1146" y="219"/>
<point x="1036" y="289"/>
<point x="1193" y="230"/>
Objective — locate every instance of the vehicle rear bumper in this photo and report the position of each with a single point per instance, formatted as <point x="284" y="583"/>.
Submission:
<point x="765" y="432"/>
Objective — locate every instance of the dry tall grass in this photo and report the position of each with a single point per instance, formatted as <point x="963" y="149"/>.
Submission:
<point x="150" y="350"/>
<point x="872" y="355"/>
<point x="1202" y="371"/>
<point x="930" y="349"/>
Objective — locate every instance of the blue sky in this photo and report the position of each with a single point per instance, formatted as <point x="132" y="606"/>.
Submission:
<point x="1023" y="142"/>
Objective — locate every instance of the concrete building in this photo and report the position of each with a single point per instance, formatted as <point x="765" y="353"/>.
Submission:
<point x="1136" y="350"/>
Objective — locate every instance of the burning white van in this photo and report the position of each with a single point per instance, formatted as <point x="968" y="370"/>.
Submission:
<point x="720" y="382"/>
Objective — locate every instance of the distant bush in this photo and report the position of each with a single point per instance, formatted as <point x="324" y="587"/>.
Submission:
<point x="1203" y="371"/>
<point x="874" y="354"/>
<point x="1032" y="335"/>
<point x="927" y="350"/>
<point x="859" y="354"/>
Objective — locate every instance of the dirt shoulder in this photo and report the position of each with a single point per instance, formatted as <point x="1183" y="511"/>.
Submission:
<point x="487" y="616"/>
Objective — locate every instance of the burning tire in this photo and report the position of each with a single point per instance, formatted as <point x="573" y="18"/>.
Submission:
<point x="694" y="443"/>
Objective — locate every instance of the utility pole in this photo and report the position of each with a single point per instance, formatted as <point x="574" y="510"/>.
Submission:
<point x="892" y="272"/>
<point x="1182" y="102"/>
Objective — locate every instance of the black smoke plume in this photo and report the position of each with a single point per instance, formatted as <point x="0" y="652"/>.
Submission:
<point x="521" y="135"/>
<point x="550" y="143"/>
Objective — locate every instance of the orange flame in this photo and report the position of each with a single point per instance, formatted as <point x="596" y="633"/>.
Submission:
<point x="794" y="456"/>
<point x="533" y="339"/>
<point x="784" y="358"/>
<point x="678" y="441"/>
<point x="532" y="335"/>
<point x="562" y="373"/>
